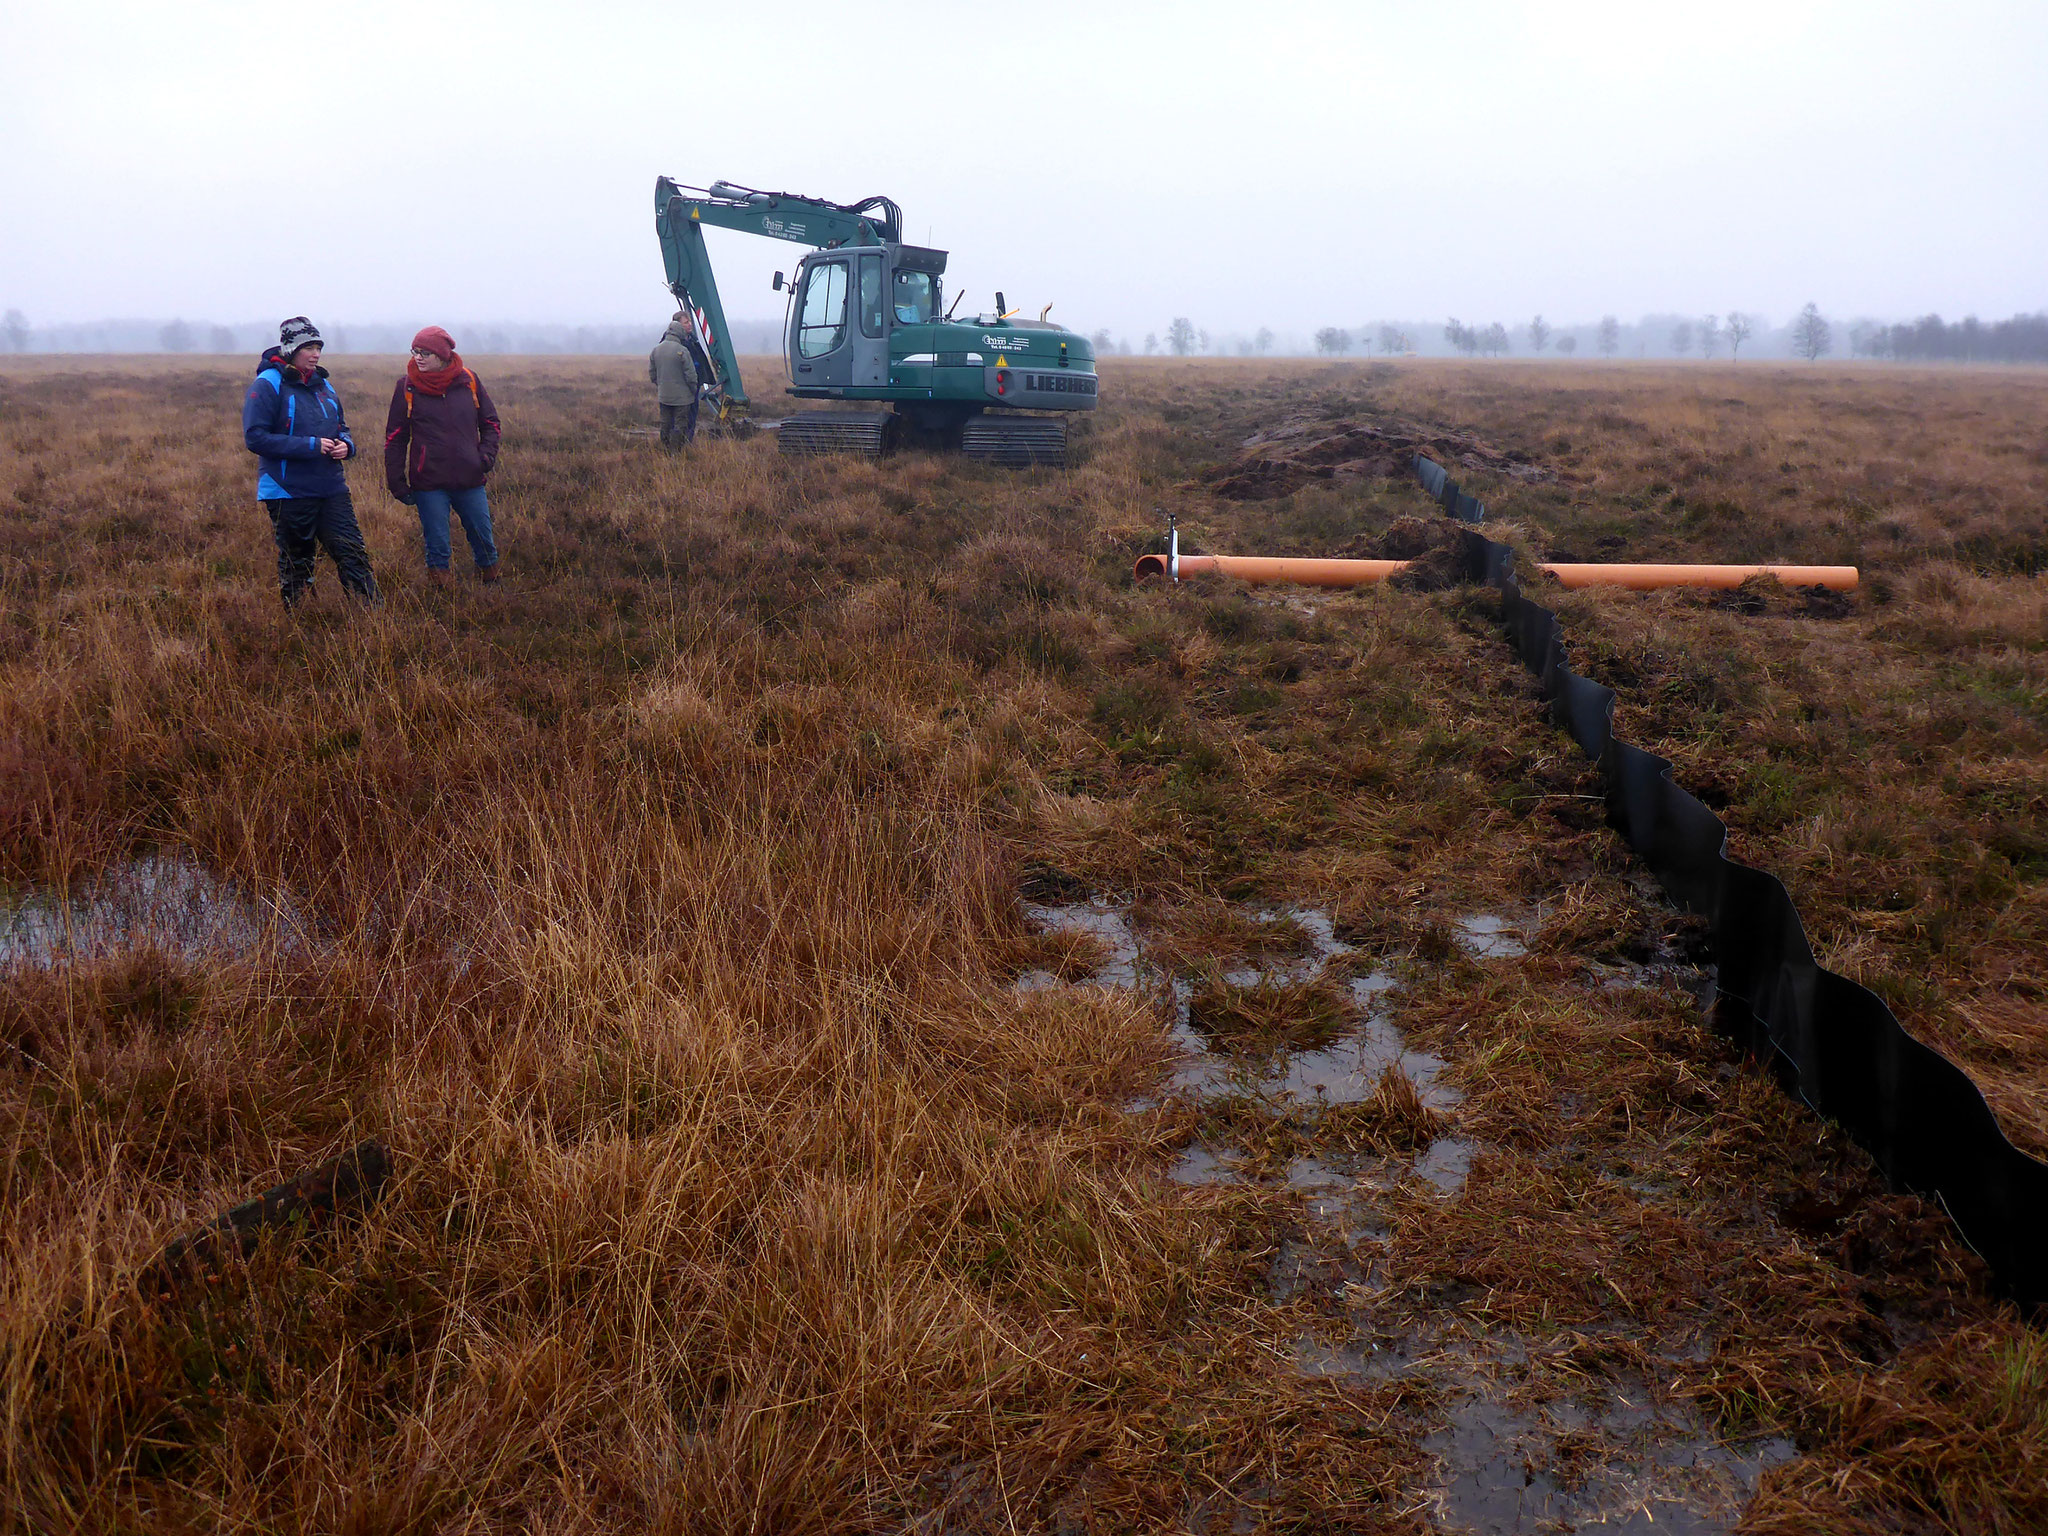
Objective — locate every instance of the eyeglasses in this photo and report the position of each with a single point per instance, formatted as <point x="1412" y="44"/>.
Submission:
<point x="424" y="352"/>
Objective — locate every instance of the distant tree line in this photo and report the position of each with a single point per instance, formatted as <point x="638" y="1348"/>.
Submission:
<point x="184" y="336"/>
<point x="2022" y="339"/>
<point x="1810" y="334"/>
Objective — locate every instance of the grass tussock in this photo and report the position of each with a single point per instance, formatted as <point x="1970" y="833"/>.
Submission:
<point x="1270" y="1015"/>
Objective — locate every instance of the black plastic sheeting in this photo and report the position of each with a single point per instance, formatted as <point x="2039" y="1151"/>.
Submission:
<point x="1835" y="1044"/>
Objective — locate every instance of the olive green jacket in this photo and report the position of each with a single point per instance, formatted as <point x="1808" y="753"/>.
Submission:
<point x="671" y="369"/>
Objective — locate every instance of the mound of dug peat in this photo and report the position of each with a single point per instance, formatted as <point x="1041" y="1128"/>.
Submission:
<point x="1433" y="547"/>
<point x="1279" y="460"/>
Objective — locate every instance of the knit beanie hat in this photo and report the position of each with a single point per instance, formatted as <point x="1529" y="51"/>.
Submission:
<point x="298" y="332"/>
<point x="436" y="341"/>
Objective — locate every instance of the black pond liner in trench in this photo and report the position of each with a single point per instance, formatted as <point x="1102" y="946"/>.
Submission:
<point x="1834" y="1043"/>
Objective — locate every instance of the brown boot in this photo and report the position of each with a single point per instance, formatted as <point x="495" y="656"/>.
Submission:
<point x="487" y="572"/>
<point x="440" y="581"/>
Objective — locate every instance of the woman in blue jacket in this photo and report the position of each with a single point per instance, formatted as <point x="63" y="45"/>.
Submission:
<point x="292" y="422"/>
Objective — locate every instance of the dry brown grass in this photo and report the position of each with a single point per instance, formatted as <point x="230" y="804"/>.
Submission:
<point x="663" y="903"/>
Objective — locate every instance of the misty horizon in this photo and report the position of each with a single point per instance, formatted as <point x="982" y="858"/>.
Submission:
<point x="1652" y="337"/>
<point x="1326" y="166"/>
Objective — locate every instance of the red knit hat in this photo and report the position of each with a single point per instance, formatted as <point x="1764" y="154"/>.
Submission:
<point x="436" y="341"/>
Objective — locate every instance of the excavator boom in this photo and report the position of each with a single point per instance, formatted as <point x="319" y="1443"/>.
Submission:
<point x="680" y="215"/>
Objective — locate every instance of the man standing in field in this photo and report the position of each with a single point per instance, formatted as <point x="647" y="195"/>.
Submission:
<point x="292" y="421"/>
<point x="672" y="370"/>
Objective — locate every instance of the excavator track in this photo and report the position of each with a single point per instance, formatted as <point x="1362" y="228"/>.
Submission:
<point x="1016" y="442"/>
<point x="869" y="434"/>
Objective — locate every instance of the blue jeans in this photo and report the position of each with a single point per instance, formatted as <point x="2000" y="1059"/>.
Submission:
<point x="473" y="506"/>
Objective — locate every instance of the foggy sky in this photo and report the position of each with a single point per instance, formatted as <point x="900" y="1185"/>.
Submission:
<point x="1285" y="164"/>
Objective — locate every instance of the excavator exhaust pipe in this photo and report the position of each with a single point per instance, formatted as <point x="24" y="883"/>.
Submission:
<point x="1365" y="573"/>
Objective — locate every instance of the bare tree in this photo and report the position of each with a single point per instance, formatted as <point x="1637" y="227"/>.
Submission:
<point x="1681" y="337"/>
<point x="1610" y="335"/>
<point x="175" y="337"/>
<point x="1812" y="336"/>
<point x="220" y="340"/>
<point x="1495" y="340"/>
<point x="1391" y="340"/>
<point x="1461" y="336"/>
<point x="1567" y="345"/>
<point x="1151" y="343"/>
<point x="1738" y="332"/>
<point x="14" y="326"/>
<point x="1709" y="331"/>
<point x="1102" y="341"/>
<point x="1201" y="341"/>
<point x="1539" y="334"/>
<point x="1263" y="341"/>
<point x="1331" y="340"/>
<point x="1180" y="336"/>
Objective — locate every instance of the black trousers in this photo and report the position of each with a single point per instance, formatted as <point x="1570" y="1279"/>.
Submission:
<point x="303" y="525"/>
<point x="670" y="433"/>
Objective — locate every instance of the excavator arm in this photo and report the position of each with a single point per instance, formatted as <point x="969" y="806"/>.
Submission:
<point x="680" y="215"/>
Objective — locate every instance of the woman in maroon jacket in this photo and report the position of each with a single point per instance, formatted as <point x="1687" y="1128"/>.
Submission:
<point x="440" y="441"/>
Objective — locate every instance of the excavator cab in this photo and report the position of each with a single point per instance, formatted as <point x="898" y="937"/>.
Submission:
<point x="846" y="301"/>
<point x="840" y="332"/>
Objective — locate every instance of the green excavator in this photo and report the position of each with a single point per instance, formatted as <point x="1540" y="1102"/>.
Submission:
<point x="867" y="323"/>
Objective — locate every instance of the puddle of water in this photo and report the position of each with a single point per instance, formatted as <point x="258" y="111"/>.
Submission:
<point x="164" y="901"/>
<point x="1364" y="1360"/>
<point x="1489" y="1484"/>
<point x="1348" y="1072"/>
<point x="1321" y="930"/>
<point x="1488" y="937"/>
<point x="1295" y="1268"/>
<point x="1446" y="1164"/>
<point x="1310" y="1173"/>
<point x="1339" y="1202"/>
<point x="1101" y="920"/>
<point x="1312" y="1357"/>
<point x="1198" y="1165"/>
<point x="1646" y="1469"/>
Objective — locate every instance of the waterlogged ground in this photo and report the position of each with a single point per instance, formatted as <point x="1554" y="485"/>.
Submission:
<point x="882" y="1024"/>
<point x="1514" y="1450"/>
<point x="158" y="902"/>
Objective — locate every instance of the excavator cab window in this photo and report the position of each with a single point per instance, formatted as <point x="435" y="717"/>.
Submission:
<point x="917" y="298"/>
<point x="822" y="325"/>
<point x="871" y="294"/>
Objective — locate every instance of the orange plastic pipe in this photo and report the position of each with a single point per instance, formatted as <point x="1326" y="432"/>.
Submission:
<point x="1648" y="578"/>
<point x="1362" y="573"/>
<point x="1304" y="573"/>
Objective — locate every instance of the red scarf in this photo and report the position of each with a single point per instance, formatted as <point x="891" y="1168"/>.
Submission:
<point x="440" y="380"/>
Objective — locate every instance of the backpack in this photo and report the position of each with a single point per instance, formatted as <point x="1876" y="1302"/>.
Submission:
<point x="468" y="377"/>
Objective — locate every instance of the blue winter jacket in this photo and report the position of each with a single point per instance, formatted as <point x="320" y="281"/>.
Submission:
<point x="283" y="421"/>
